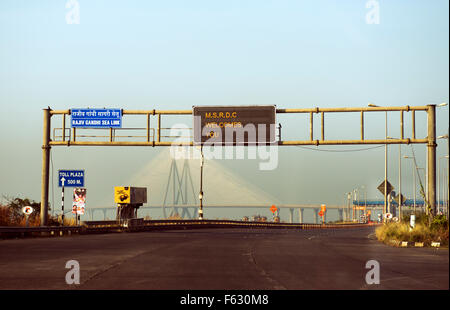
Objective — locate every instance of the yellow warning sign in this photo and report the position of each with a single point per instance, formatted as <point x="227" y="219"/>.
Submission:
<point x="122" y="194"/>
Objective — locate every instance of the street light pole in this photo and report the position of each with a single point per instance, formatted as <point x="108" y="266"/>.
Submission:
<point x="443" y="104"/>
<point x="399" y="180"/>
<point x="444" y="205"/>
<point x="415" y="186"/>
<point x="439" y="184"/>
<point x="425" y="198"/>
<point x="385" y="162"/>
<point x="349" y="197"/>
<point x="200" y="196"/>
<point x="414" y="182"/>
<point x="400" y="200"/>
<point x="386" y="203"/>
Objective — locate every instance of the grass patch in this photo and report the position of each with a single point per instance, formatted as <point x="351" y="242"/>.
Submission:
<point x="436" y="232"/>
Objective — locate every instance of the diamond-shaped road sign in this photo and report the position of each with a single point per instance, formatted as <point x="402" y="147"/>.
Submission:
<point x="390" y="188"/>
<point x="273" y="208"/>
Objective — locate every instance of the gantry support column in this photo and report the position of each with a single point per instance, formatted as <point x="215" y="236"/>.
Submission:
<point x="431" y="158"/>
<point x="45" y="168"/>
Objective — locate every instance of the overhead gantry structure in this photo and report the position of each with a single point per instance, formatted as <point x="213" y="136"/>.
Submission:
<point x="153" y="137"/>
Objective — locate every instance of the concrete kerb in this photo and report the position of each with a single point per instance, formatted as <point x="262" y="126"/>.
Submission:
<point x="408" y="244"/>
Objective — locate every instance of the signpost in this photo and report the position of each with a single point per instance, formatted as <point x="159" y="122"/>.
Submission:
<point x="96" y="118"/>
<point x="273" y="208"/>
<point x="27" y="210"/>
<point x="390" y="188"/>
<point x="386" y="186"/>
<point x="323" y="210"/>
<point x="79" y="202"/>
<point x="234" y="124"/>
<point x="69" y="178"/>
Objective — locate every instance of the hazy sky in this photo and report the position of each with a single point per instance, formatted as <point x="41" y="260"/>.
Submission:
<point x="176" y="54"/>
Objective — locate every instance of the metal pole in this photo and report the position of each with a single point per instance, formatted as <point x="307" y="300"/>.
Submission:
<point x="62" y="204"/>
<point x="64" y="127"/>
<point x="358" y="212"/>
<point x="148" y="127"/>
<point x="414" y="184"/>
<point x="353" y="206"/>
<point x="323" y="126"/>
<point x="45" y="168"/>
<point x="400" y="181"/>
<point x="365" y="197"/>
<point x="431" y="162"/>
<point x="438" y="184"/>
<point x="159" y="128"/>
<point x="385" y="170"/>
<point x="448" y="173"/>
<point x="200" y="196"/>
<point x="349" y="197"/>
<point x="362" y="212"/>
<point x="348" y="206"/>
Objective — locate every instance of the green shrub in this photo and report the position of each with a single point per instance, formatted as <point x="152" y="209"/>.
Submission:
<point x="439" y="221"/>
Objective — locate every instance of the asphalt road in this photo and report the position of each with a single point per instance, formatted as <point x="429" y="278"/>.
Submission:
<point x="221" y="259"/>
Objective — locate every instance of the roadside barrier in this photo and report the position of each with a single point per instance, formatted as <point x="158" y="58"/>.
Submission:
<point x="136" y="225"/>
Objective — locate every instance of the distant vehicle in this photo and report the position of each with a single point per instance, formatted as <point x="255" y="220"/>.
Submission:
<point x="245" y="219"/>
<point x="259" y="218"/>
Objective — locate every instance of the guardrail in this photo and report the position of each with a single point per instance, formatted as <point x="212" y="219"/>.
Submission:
<point x="11" y="231"/>
<point x="135" y="225"/>
<point x="187" y="224"/>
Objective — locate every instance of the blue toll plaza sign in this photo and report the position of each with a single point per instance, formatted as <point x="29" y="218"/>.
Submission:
<point x="96" y="118"/>
<point x="71" y="178"/>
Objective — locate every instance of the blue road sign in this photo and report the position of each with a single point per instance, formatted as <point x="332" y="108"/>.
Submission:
<point x="71" y="178"/>
<point x="96" y="118"/>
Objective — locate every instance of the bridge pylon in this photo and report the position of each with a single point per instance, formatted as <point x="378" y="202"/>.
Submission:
<point x="181" y="187"/>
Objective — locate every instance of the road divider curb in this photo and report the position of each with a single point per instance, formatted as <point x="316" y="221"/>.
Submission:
<point x="405" y="244"/>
